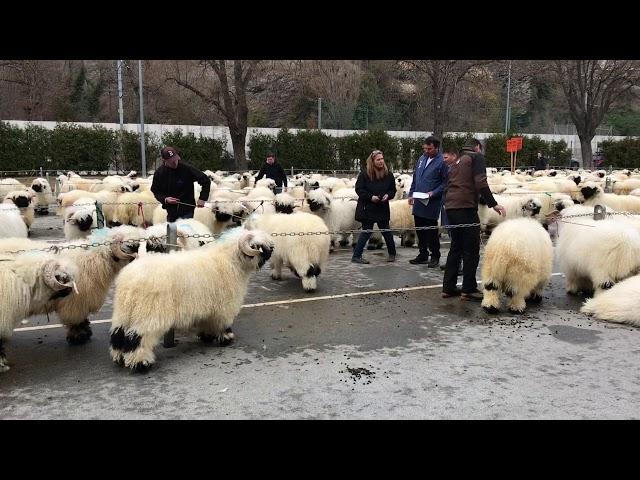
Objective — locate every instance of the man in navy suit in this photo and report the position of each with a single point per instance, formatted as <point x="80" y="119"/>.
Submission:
<point x="429" y="177"/>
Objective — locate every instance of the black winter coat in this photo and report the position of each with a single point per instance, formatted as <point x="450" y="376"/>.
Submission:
<point x="274" y="172"/>
<point x="169" y="182"/>
<point x="366" y="210"/>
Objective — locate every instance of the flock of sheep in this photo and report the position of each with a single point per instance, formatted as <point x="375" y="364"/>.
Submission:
<point x="115" y="234"/>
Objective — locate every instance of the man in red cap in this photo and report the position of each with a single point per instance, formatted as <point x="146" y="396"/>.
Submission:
<point x="173" y="185"/>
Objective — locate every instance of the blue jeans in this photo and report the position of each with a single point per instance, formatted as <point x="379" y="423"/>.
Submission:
<point x="364" y="237"/>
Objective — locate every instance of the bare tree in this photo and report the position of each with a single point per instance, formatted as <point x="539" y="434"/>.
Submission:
<point x="228" y="95"/>
<point x="443" y="77"/>
<point x="591" y="87"/>
<point x="338" y="82"/>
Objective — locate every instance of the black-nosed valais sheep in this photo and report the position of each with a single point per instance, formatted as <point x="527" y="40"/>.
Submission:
<point x="28" y="282"/>
<point x="338" y="215"/>
<point x="44" y="195"/>
<point x="80" y="218"/>
<point x="618" y="305"/>
<point x="97" y="268"/>
<point x="517" y="262"/>
<point x="11" y="223"/>
<point x="200" y="289"/>
<point x="25" y="201"/>
<point x="595" y="254"/>
<point x="592" y="194"/>
<point x="305" y="255"/>
<point x="285" y="203"/>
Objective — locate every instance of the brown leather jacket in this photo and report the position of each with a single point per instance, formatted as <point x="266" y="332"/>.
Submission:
<point x="468" y="180"/>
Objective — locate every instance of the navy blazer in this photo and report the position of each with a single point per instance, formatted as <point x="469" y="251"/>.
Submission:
<point x="432" y="178"/>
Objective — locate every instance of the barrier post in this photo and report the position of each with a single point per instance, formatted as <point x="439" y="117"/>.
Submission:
<point x="599" y="212"/>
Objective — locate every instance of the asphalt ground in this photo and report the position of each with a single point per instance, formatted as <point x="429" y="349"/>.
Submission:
<point x="351" y="350"/>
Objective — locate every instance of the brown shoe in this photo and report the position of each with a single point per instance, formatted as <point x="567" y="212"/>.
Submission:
<point x="455" y="293"/>
<point x="474" y="296"/>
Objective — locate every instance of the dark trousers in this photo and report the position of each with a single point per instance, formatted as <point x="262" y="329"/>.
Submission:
<point x="364" y="237"/>
<point x="428" y="240"/>
<point x="465" y="245"/>
<point x="173" y="215"/>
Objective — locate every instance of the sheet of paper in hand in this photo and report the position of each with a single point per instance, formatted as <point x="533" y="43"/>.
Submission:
<point x="422" y="197"/>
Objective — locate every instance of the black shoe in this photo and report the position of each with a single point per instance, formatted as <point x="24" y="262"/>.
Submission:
<point x="359" y="260"/>
<point x="419" y="260"/>
<point x="435" y="262"/>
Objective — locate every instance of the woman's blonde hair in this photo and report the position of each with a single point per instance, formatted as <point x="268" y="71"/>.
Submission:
<point x="372" y="172"/>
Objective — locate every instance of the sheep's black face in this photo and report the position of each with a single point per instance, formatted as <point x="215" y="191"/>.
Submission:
<point x="265" y="254"/>
<point x="135" y="187"/>
<point x="588" y="192"/>
<point x="531" y="208"/>
<point x="130" y="247"/>
<point x="114" y="224"/>
<point x="37" y="187"/>
<point x="223" y="217"/>
<point x="84" y="223"/>
<point x="288" y="209"/>
<point x="577" y="180"/>
<point x="601" y="174"/>
<point x="553" y="174"/>
<point x="155" y="245"/>
<point x="313" y="205"/>
<point x="61" y="293"/>
<point x="21" y="202"/>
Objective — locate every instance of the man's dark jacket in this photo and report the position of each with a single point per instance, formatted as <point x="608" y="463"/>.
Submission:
<point x="178" y="182"/>
<point x="275" y="172"/>
<point x="366" y="188"/>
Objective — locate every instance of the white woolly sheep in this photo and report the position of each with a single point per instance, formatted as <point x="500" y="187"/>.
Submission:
<point x="338" y="215"/>
<point x="635" y="193"/>
<point x="44" y="195"/>
<point x="402" y="222"/>
<point x="97" y="268"/>
<point x="592" y="194"/>
<point x="28" y="282"/>
<point x="202" y="289"/>
<point x="305" y="256"/>
<point x="626" y="186"/>
<point x="135" y="209"/>
<point x="618" y="305"/>
<point x="156" y="236"/>
<point x="517" y="261"/>
<point x="268" y="183"/>
<point x="11" y="223"/>
<point x="80" y="218"/>
<point x="9" y="185"/>
<point x="516" y="206"/>
<point x="595" y="254"/>
<point x="24" y="200"/>
<point x="285" y="203"/>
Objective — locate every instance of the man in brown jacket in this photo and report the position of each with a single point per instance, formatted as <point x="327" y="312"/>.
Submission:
<point x="467" y="180"/>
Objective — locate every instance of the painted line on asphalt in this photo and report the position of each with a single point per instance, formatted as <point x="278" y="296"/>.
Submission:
<point x="280" y="302"/>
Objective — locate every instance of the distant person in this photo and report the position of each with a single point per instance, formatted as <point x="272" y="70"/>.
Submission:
<point x="173" y="185"/>
<point x="466" y="182"/>
<point x="541" y="162"/>
<point x="430" y="178"/>
<point x="273" y="170"/>
<point x="375" y="186"/>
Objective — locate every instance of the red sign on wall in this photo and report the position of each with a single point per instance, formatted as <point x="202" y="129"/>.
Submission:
<point x="514" y="144"/>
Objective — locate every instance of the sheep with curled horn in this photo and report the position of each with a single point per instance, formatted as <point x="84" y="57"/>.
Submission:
<point x="201" y="290"/>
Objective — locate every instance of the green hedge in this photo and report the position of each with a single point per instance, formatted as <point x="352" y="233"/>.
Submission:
<point x="313" y="150"/>
<point x="71" y="147"/>
<point x="622" y="153"/>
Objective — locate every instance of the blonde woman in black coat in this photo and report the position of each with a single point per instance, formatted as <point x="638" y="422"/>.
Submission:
<point x="375" y="187"/>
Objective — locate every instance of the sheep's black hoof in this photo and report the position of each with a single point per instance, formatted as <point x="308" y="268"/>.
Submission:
<point x="206" y="338"/>
<point x="141" y="367"/>
<point x="534" y="299"/>
<point x="588" y="293"/>
<point x="491" y="309"/>
<point x="119" y="361"/>
<point x="79" y="334"/>
<point x="226" y="338"/>
<point x="518" y="312"/>
<point x="344" y="243"/>
<point x="606" y="285"/>
<point x="491" y="286"/>
<point x="508" y="293"/>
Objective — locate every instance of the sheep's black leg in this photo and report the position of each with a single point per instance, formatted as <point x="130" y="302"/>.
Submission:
<point x="80" y="333"/>
<point x="4" y="365"/>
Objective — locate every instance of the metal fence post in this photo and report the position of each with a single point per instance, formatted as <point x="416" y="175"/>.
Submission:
<point x="599" y="212"/>
<point x="607" y="185"/>
<point x="99" y="215"/>
<point x="172" y="239"/>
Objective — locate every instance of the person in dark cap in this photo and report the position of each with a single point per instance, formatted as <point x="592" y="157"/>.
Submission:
<point x="173" y="185"/>
<point x="273" y="170"/>
<point x="467" y="181"/>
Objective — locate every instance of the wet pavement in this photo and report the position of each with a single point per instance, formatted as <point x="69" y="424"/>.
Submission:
<point x="394" y="355"/>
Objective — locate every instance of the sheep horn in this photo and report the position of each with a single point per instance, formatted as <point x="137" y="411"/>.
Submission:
<point x="50" y="279"/>
<point x="245" y="246"/>
<point x="116" y="249"/>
